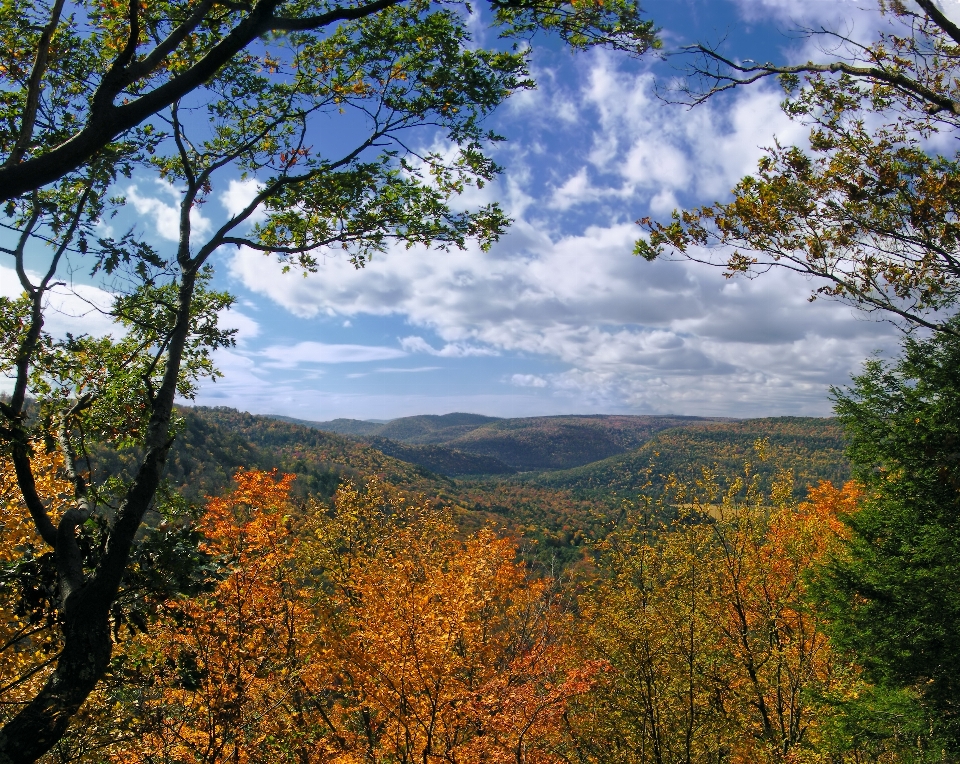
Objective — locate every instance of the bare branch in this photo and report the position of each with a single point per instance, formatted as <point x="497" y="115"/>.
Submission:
<point x="756" y="72"/>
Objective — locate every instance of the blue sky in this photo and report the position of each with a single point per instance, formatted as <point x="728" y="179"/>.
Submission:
<point x="558" y="317"/>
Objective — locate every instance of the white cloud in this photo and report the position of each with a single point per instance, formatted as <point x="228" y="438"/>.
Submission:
<point x="246" y="327"/>
<point x="450" y="350"/>
<point x="239" y="194"/>
<point x="527" y="380"/>
<point x="417" y="370"/>
<point x="791" y="14"/>
<point x="77" y="309"/>
<point x="664" y="148"/>
<point x="643" y="334"/>
<point x="562" y="286"/>
<point x="288" y="356"/>
<point x="166" y="217"/>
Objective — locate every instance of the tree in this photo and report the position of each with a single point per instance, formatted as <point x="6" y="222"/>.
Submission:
<point x="372" y="632"/>
<point x="891" y="594"/>
<point x="78" y="78"/>
<point x="28" y="633"/>
<point x="225" y="88"/>
<point x="870" y="209"/>
<point x="715" y="655"/>
<point x="437" y="647"/>
<point x="219" y="676"/>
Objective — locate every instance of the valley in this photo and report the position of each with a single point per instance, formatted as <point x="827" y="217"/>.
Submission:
<point x="555" y="482"/>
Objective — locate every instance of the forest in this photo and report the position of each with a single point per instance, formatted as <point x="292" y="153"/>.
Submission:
<point x="187" y="584"/>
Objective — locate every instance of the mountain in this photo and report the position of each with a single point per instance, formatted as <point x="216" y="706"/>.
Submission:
<point x="214" y="442"/>
<point x="431" y="429"/>
<point x="561" y="442"/>
<point x="339" y="426"/>
<point x="442" y="460"/>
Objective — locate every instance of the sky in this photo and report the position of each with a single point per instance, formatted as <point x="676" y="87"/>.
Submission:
<point x="558" y="317"/>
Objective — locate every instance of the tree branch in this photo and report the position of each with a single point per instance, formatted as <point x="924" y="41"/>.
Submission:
<point x="107" y="121"/>
<point x="756" y="72"/>
<point x="68" y="556"/>
<point x="938" y="18"/>
<point x="34" y="87"/>
<point x="152" y="60"/>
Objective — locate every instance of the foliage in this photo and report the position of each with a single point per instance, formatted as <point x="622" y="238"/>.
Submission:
<point x="445" y="461"/>
<point x="871" y="207"/>
<point x="715" y="654"/>
<point x="553" y="523"/>
<point x="525" y="443"/>
<point x="167" y="563"/>
<point x="85" y="82"/>
<point x="217" y="678"/>
<point x="811" y="449"/>
<point x="890" y="595"/>
<point x="28" y="637"/>
<point x="443" y="647"/>
<point x="372" y="633"/>
<point x="197" y="94"/>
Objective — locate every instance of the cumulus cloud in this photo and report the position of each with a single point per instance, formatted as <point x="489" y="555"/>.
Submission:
<point x="77" y="308"/>
<point x="561" y="286"/>
<point x="527" y="380"/>
<point x="166" y="216"/>
<point x="238" y="195"/>
<point x="416" y="370"/>
<point x="450" y="350"/>
<point x="663" y="149"/>
<point x="246" y="327"/>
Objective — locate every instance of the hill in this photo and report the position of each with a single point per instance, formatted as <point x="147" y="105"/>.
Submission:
<point x="554" y="511"/>
<point x="442" y="460"/>
<point x="522" y="444"/>
<point x="549" y="443"/>
<point x="339" y="426"/>
<point x="812" y="448"/>
<point x="215" y="442"/>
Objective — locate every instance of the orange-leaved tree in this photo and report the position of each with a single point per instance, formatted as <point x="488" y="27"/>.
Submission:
<point x="438" y="647"/>
<point x="219" y="677"/>
<point x="715" y="653"/>
<point x="29" y="641"/>
<point x="374" y="632"/>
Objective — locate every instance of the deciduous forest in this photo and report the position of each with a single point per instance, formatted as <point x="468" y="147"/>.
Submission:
<point x="187" y="584"/>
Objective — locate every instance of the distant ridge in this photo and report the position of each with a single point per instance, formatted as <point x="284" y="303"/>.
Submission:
<point x="498" y="445"/>
<point x="811" y="448"/>
<point x="339" y="426"/>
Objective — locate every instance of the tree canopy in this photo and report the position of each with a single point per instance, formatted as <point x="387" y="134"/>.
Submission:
<point x="870" y="207"/>
<point x="79" y="77"/>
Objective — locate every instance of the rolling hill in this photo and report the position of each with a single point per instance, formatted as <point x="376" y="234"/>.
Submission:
<point x="812" y="448"/>
<point x="524" y="444"/>
<point x="555" y="511"/>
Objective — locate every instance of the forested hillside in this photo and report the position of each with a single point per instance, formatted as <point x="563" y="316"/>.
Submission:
<point x="554" y="511"/>
<point x="215" y="442"/>
<point x="812" y="449"/>
<point x="523" y="444"/>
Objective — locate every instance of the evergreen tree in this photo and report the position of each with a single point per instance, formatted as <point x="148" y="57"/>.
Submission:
<point x="892" y="596"/>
